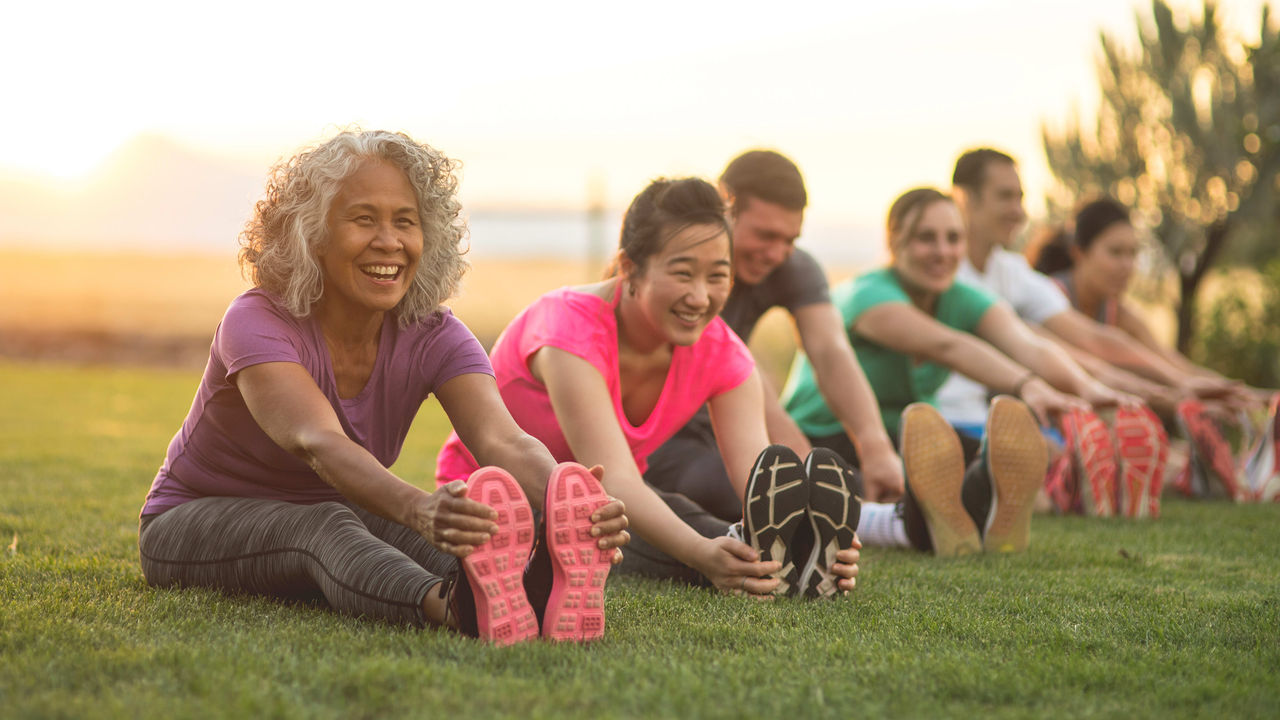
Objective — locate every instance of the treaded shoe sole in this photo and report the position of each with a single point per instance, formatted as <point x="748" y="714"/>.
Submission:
<point x="1095" y="460"/>
<point x="776" y="503"/>
<point x="579" y="568"/>
<point x="1143" y="449"/>
<point x="495" y="569"/>
<point x="1017" y="458"/>
<point x="1208" y="448"/>
<point x="934" y="465"/>
<point x="835" y="504"/>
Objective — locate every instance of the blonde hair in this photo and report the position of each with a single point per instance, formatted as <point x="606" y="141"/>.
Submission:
<point x="280" y="244"/>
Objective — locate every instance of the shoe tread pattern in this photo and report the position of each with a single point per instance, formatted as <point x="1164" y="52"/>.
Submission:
<point x="1094" y="458"/>
<point x="575" y="608"/>
<point x="1143" y="450"/>
<point x="934" y="465"/>
<point x="776" y="504"/>
<point x="1209" y="450"/>
<point x="495" y="569"/>
<point x="835" y="505"/>
<point x="1017" y="457"/>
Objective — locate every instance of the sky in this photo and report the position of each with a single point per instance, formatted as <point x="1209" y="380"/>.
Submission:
<point x="549" y="104"/>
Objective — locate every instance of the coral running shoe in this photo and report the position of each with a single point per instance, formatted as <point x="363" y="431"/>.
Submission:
<point x="1209" y="451"/>
<point x="579" y="568"/>
<point x="495" y="569"/>
<point x="1094" y="460"/>
<point x="1143" y="449"/>
<point x="1060" y="485"/>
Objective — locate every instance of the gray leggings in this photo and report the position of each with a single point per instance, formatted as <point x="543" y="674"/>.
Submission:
<point x="361" y="564"/>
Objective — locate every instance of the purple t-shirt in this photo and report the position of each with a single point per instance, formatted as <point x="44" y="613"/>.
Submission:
<point x="221" y="450"/>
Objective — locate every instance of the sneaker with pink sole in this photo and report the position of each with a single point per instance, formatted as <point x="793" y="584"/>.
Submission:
<point x="495" y="569"/>
<point x="579" y="568"/>
<point x="1143" y="449"/>
<point x="1094" y="459"/>
<point x="1210" y="454"/>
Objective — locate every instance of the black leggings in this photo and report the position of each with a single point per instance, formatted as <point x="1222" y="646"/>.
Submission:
<point x="360" y="563"/>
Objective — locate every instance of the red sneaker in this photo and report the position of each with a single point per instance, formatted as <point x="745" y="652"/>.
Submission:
<point x="579" y="568"/>
<point x="1094" y="459"/>
<point x="1060" y="485"/>
<point x="1143" y="450"/>
<point x="495" y="570"/>
<point x="1209" y="450"/>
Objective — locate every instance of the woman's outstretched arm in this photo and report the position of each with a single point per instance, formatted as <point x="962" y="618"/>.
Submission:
<point x="286" y="403"/>
<point x="585" y="411"/>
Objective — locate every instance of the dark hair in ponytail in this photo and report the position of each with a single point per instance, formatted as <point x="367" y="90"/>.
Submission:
<point x="661" y="210"/>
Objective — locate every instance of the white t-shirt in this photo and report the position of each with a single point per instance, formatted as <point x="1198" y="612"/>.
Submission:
<point x="1032" y="295"/>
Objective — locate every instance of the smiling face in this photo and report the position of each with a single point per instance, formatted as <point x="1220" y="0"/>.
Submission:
<point x="995" y="211"/>
<point x="926" y="258"/>
<point x="683" y="286"/>
<point x="764" y="236"/>
<point x="1107" y="265"/>
<point x="375" y="240"/>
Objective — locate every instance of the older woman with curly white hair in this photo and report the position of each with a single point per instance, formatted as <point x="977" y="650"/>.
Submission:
<point x="278" y="481"/>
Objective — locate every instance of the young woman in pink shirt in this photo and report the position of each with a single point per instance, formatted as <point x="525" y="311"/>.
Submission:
<point x="605" y="373"/>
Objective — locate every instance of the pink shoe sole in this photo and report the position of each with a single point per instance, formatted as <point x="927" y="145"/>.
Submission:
<point x="1143" y="449"/>
<point x="575" y="609"/>
<point x="1215" y="454"/>
<point x="496" y="568"/>
<point x="1095" y="460"/>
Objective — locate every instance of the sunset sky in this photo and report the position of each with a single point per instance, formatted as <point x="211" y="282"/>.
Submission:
<point x="537" y="99"/>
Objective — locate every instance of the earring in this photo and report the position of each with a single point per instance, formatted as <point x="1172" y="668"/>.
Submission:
<point x="631" y="289"/>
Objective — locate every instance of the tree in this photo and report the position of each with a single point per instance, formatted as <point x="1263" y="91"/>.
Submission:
<point x="1187" y="133"/>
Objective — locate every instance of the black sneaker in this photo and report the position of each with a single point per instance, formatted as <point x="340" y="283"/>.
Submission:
<point x="776" y="507"/>
<point x="835" y="504"/>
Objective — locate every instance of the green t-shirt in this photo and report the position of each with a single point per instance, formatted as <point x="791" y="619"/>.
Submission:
<point x="895" y="378"/>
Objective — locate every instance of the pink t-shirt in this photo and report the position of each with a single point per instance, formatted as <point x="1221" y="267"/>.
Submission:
<point x="585" y="325"/>
<point x="222" y="451"/>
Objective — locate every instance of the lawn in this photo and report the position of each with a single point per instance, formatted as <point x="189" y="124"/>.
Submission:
<point x="1180" y="617"/>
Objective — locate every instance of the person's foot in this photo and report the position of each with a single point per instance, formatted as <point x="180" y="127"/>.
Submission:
<point x="1261" y="474"/>
<point x="934" y="465"/>
<point x="1094" y="459"/>
<point x="495" y="570"/>
<point x="776" y="506"/>
<point x="835" y="503"/>
<point x="1210" y="454"/>
<point x="1143" y="449"/>
<point x="1060" y="485"/>
<point x="1016" y="459"/>
<point x="579" y="568"/>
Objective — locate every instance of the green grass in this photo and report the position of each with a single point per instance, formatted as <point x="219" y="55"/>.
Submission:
<point x="1179" y="617"/>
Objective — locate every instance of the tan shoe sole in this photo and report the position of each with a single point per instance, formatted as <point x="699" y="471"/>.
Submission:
<point x="934" y="463"/>
<point x="1018" y="458"/>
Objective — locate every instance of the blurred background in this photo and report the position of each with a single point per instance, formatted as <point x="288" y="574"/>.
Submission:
<point x="137" y="136"/>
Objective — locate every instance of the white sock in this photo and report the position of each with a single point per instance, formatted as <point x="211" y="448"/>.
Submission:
<point x="880" y="525"/>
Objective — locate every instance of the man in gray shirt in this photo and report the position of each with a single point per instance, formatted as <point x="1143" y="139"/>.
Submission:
<point x="766" y="198"/>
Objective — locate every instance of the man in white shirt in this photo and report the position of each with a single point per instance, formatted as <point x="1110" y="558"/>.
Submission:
<point x="988" y="192"/>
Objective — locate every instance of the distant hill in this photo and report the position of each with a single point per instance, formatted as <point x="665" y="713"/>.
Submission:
<point x="152" y="193"/>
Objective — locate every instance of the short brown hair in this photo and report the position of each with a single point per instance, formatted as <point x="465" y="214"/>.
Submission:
<point x="767" y="175"/>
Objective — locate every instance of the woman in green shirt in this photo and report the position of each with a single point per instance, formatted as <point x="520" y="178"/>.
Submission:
<point x="911" y="325"/>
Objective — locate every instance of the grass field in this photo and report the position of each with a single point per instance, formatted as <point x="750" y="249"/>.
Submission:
<point x="1180" y="617"/>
